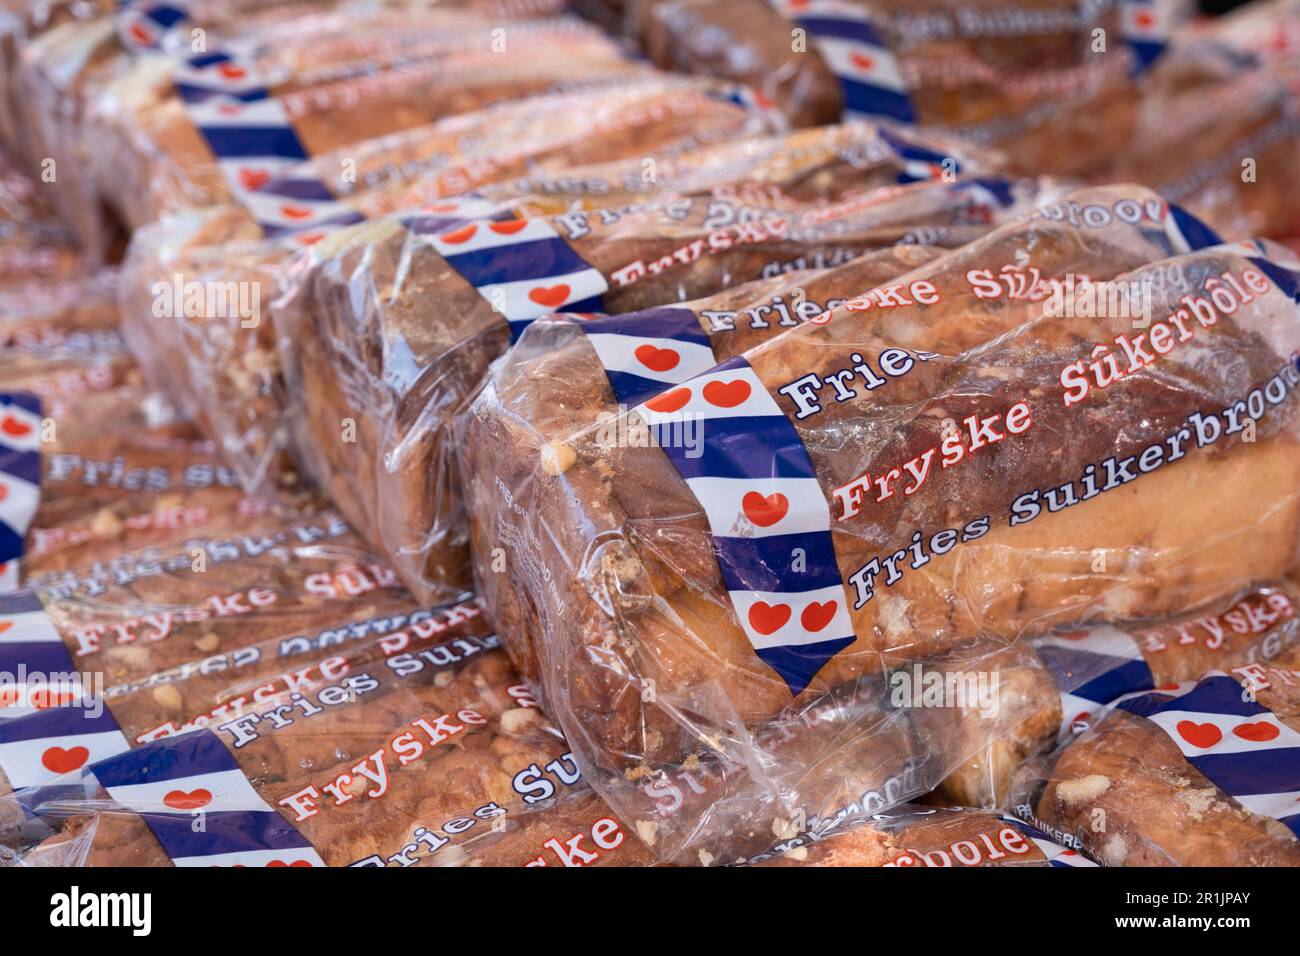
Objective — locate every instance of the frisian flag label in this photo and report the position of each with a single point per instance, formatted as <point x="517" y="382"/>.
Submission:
<point x="20" y="480"/>
<point x="1238" y="744"/>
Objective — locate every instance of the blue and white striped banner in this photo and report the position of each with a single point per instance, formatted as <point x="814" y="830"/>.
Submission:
<point x="259" y="152"/>
<point x="855" y="52"/>
<point x="752" y="475"/>
<point x="1145" y="27"/>
<point x="20" y="479"/>
<point x="1237" y="744"/>
<point x="146" y="27"/>
<point x="45" y="728"/>
<point x="1092" y="668"/>
<point x="174" y="782"/>
<point x="522" y="267"/>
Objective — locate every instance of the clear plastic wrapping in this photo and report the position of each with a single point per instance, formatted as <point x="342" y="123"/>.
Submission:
<point x="217" y="356"/>
<point x="1052" y="81"/>
<point x="415" y="747"/>
<point x="1197" y="773"/>
<point x="383" y="335"/>
<point x="974" y="451"/>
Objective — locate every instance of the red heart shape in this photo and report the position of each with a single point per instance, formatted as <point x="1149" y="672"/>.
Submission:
<point x="294" y="863"/>
<point x="45" y="699"/>
<point x="861" y="60"/>
<point x="509" y="227"/>
<point x="58" y="760"/>
<point x="295" y="212"/>
<point x="726" y="394"/>
<point x="767" y="618"/>
<point x="458" y="236"/>
<point x="657" y="359"/>
<point x="141" y="34"/>
<point x="816" y="616"/>
<point x="444" y="207"/>
<point x="253" y="178"/>
<point x="1257" y="732"/>
<point x="8" y="698"/>
<point x="1199" y="735"/>
<point x="764" y="511"/>
<point x="1144" y="19"/>
<point x="232" y="71"/>
<point x="5" y="625"/>
<point x="4" y="493"/>
<point x="308" y="238"/>
<point x="669" y="401"/>
<point x="14" y="427"/>
<point x="230" y="109"/>
<point x="180" y="800"/>
<point x="550" y="296"/>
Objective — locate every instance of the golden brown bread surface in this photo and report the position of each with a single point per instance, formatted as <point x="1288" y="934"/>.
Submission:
<point x="383" y="337"/>
<point x="614" y="572"/>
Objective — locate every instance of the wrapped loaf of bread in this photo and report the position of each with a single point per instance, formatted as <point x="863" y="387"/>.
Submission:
<point x="1091" y="667"/>
<point x="942" y="458"/>
<point x="1050" y="81"/>
<point x="390" y="325"/>
<point x="1200" y="773"/>
<point x="431" y="757"/>
<point x="197" y="121"/>
<point x="216" y="355"/>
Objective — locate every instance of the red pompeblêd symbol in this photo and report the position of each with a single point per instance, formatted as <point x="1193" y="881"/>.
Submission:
<point x="1203" y="736"/>
<point x="5" y="625"/>
<point x="657" y="359"/>
<point x="509" y="227"/>
<point x="550" y="296"/>
<point x="46" y="698"/>
<point x="669" y="402"/>
<point x="294" y="863"/>
<point x="726" y="394"/>
<point x="58" y="760"/>
<point x="232" y="71"/>
<point x="295" y="212"/>
<point x="816" y="616"/>
<point x="180" y="800"/>
<point x="457" y="236"/>
<point x="308" y="238"/>
<point x="15" y="427"/>
<point x="764" y="511"/>
<point x="253" y="178"/>
<point x="140" y="34"/>
<point x="1257" y="732"/>
<point x="861" y="60"/>
<point x="4" y="493"/>
<point x="768" y="618"/>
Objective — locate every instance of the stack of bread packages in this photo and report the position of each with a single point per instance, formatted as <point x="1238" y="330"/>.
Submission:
<point x="435" y="433"/>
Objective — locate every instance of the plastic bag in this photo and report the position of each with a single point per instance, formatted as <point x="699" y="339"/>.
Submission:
<point x="429" y="755"/>
<point x="216" y="355"/>
<point x="913" y="835"/>
<point x="1200" y="773"/>
<point x="146" y="133"/>
<point x="1035" y="79"/>
<point x="670" y="602"/>
<point x="1092" y="666"/>
<point x="392" y="325"/>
